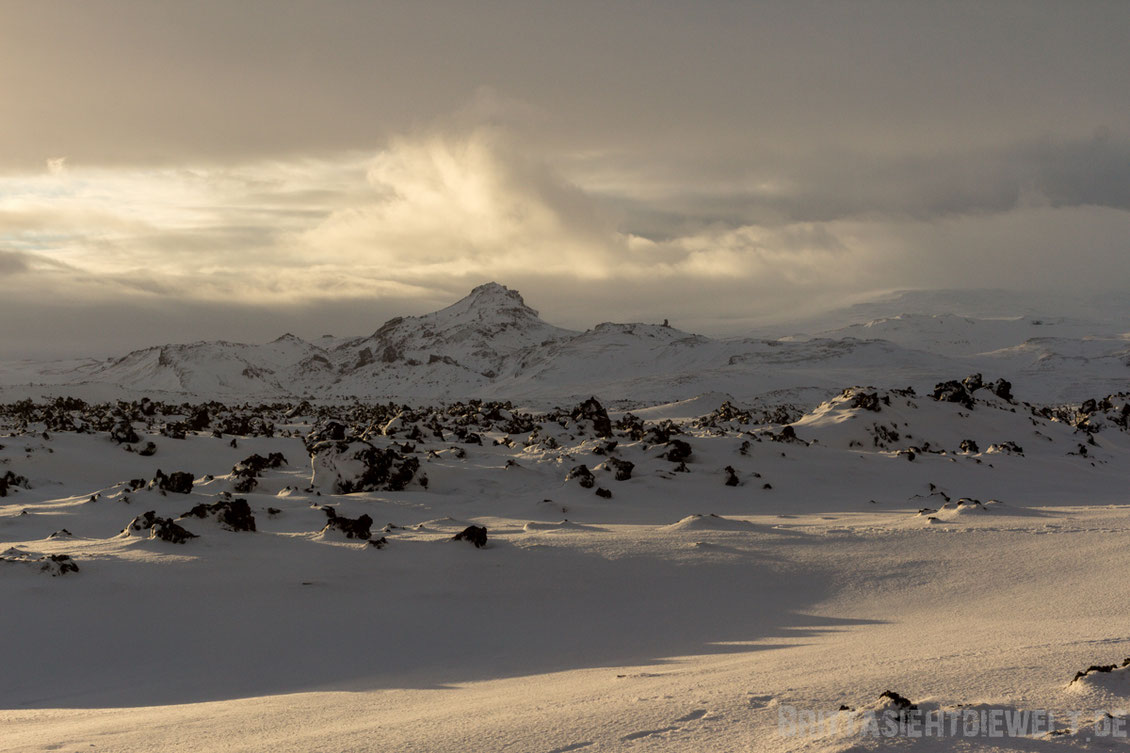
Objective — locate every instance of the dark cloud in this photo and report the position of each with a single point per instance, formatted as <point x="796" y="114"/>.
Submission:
<point x="170" y="82"/>
<point x="844" y="186"/>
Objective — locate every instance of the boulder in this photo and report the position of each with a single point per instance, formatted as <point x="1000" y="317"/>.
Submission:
<point x="159" y="528"/>
<point x="123" y="433"/>
<point x="231" y="514"/>
<point x="178" y="482"/>
<point x="592" y="410"/>
<point x="351" y="528"/>
<point x="583" y="476"/>
<point x="953" y="392"/>
<point x="477" y="535"/>
<point x="622" y="469"/>
<point x="678" y="451"/>
<point x="357" y="466"/>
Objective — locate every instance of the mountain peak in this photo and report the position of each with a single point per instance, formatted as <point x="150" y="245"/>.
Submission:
<point x="491" y="300"/>
<point x="495" y="293"/>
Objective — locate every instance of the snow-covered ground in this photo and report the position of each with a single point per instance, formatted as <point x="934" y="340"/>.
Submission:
<point x="711" y="573"/>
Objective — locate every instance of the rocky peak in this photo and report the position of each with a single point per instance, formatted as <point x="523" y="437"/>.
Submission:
<point x="492" y="296"/>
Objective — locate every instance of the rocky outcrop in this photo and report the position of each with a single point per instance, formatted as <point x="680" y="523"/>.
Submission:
<point x="357" y="466"/>
<point x="231" y="514"/>
<point x="159" y="528"/>
<point x="177" y="482"/>
<point x="351" y="528"/>
<point x="592" y="410"/>
<point x="582" y="475"/>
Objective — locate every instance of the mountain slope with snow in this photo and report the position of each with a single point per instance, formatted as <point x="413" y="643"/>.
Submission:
<point x="490" y="344"/>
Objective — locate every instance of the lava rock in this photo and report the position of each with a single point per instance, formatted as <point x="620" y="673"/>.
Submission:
<point x="953" y="392"/>
<point x="678" y="451"/>
<point x="898" y="701"/>
<point x="352" y="528"/>
<point x="583" y="475"/>
<point x="9" y="480"/>
<point x="1007" y="448"/>
<point x="864" y="400"/>
<point x="622" y="469"/>
<point x="592" y="410"/>
<point x="232" y="514"/>
<point x="477" y="535"/>
<point x="604" y="493"/>
<point x="358" y="466"/>
<point x="54" y="564"/>
<point x="973" y="382"/>
<point x="123" y="433"/>
<point x="178" y="482"/>
<point x="159" y="528"/>
<point x="1002" y="388"/>
<point x="1100" y="668"/>
<point x="246" y="472"/>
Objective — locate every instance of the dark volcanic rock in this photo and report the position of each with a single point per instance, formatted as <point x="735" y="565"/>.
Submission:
<point x="899" y="701"/>
<point x="1007" y="448"/>
<point x="604" y="493"/>
<point x="199" y="420"/>
<point x="159" y="528"/>
<point x="953" y="392"/>
<point x="246" y="472"/>
<point x="678" y="451"/>
<point x="352" y="528"/>
<point x="9" y="480"/>
<point x="970" y="446"/>
<point x="1002" y="388"/>
<point x="622" y="469"/>
<point x="973" y="382"/>
<point x="54" y="564"/>
<point x="359" y="466"/>
<point x="864" y="400"/>
<point x="59" y="564"/>
<point x="178" y="482"/>
<point x="732" y="476"/>
<point x="232" y="514"/>
<point x="583" y="475"/>
<point x="592" y="410"/>
<point x="1100" y="668"/>
<point x="477" y="535"/>
<point x="123" y="433"/>
<point x="330" y="430"/>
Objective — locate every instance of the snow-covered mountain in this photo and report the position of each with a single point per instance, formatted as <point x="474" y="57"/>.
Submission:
<point x="491" y="344"/>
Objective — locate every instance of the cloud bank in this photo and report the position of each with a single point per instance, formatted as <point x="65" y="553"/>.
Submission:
<point x="235" y="170"/>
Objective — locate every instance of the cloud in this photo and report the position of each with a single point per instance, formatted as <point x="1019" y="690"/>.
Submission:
<point x="13" y="262"/>
<point x="435" y="212"/>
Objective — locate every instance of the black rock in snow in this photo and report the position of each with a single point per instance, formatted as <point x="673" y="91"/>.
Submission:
<point x="477" y="535"/>
<point x="232" y="514"/>
<point x="177" y="482"/>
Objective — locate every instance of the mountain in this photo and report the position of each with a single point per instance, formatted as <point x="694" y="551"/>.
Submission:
<point x="491" y="344"/>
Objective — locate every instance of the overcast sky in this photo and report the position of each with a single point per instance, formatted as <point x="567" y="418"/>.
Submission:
<point x="173" y="171"/>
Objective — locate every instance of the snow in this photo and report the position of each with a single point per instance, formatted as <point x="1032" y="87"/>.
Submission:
<point x="863" y="549"/>
<point x="490" y="344"/>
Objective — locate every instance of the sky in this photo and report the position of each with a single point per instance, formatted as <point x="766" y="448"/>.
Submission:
<point x="176" y="171"/>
